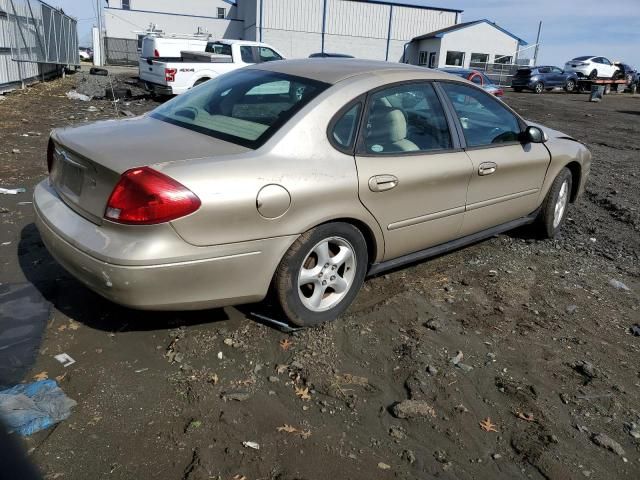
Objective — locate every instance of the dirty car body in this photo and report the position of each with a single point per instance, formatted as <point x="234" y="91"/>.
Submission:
<point x="302" y="175"/>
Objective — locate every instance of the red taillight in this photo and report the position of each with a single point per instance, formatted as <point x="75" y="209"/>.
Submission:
<point x="499" y="92"/>
<point x="50" y="149"/>
<point x="144" y="196"/>
<point x="170" y="74"/>
<point x="156" y="53"/>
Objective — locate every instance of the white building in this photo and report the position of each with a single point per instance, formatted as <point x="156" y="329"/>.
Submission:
<point x="464" y="45"/>
<point x="362" y="28"/>
<point x="373" y="29"/>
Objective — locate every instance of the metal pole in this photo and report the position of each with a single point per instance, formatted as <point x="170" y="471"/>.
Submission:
<point x="535" y="54"/>
<point x="100" y="41"/>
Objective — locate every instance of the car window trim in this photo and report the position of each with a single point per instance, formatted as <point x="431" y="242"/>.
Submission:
<point x="338" y="116"/>
<point x="360" y="149"/>
<point x="466" y="147"/>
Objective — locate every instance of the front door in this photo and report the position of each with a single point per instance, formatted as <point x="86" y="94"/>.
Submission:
<point x="507" y="175"/>
<point x="412" y="174"/>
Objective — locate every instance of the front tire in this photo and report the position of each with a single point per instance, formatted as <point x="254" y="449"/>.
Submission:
<point x="593" y="75"/>
<point x="570" y="86"/>
<point x="554" y="208"/>
<point x="321" y="273"/>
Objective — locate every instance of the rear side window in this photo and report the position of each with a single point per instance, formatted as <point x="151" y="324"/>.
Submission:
<point x="345" y="128"/>
<point x="582" y="59"/>
<point x="246" y="54"/>
<point x="219" y="48"/>
<point x="485" y="122"/>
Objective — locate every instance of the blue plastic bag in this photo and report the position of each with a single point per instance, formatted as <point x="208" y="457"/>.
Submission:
<point x="31" y="407"/>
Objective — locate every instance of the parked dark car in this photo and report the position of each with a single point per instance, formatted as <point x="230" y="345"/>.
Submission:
<point x="330" y="55"/>
<point x="543" y="78"/>
<point x="629" y="73"/>
<point x="476" y="77"/>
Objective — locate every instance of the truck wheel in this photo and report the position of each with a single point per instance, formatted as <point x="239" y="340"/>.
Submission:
<point x="593" y="75"/>
<point x="321" y="274"/>
<point x="554" y="208"/>
<point x="570" y="86"/>
<point x="538" y="87"/>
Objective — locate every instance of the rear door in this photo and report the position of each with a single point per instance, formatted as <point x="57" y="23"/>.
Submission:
<point x="506" y="175"/>
<point x="412" y="173"/>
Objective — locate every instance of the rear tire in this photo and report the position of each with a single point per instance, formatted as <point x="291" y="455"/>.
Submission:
<point x="538" y="88"/>
<point x="593" y="75"/>
<point x="554" y="208"/>
<point x="321" y="273"/>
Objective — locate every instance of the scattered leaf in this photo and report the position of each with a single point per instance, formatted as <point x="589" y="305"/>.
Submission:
<point x="303" y="393"/>
<point x="285" y="344"/>
<point x="487" y="426"/>
<point x="41" y="376"/>
<point x="304" y="434"/>
<point x="59" y="378"/>
<point x="384" y="466"/>
<point x="239" y="477"/>
<point x="73" y="325"/>
<point x="214" y="379"/>
<point x="62" y="327"/>
<point x="528" y="417"/>
<point x="282" y="368"/>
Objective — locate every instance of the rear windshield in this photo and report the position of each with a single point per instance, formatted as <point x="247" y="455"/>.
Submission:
<point x="219" y="48"/>
<point x="245" y="107"/>
<point x="523" y="72"/>
<point x="582" y="58"/>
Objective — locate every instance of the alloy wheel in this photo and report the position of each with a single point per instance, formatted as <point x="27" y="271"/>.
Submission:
<point x="327" y="274"/>
<point x="561" y="204"/>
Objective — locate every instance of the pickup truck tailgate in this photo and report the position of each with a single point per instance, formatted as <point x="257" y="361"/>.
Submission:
<point x="152" y="71"/>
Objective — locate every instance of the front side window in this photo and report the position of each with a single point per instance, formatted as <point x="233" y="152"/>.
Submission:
<point x="219" y="48"/>
<point x="556" y="70"/>
<point x="244" y="107"/>
<point x="268" y="55"/>
<point x="455" y="59"/>
<point x="406" y="118"/>
<point x="484" y="120"/>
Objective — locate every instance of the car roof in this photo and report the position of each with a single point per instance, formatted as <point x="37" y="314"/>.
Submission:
<point x="334" y="70"/>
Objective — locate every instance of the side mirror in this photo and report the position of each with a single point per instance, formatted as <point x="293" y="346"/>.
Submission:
<point x="533" y="134"/>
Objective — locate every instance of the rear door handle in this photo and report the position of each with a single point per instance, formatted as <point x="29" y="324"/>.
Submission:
<point x="381" y="183"/>
<point x="487" y="168"/>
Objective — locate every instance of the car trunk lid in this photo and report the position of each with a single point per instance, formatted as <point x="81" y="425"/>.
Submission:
<point x="89" y="160"/>
<point x="523" y="73"/>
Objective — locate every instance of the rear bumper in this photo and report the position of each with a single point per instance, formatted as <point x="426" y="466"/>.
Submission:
<point x="525" y="83"/>
<point x="201" y="277"/>
<point x="157" y="88"/>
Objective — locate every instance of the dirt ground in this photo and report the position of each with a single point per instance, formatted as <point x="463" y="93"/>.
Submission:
<point x="547" y="352"/>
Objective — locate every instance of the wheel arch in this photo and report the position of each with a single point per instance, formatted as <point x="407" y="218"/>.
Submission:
<point x="576" y="176"/>
<point x="367" y="233"/>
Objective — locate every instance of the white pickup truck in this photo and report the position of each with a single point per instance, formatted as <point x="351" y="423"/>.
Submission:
<point x="173" y="76"/>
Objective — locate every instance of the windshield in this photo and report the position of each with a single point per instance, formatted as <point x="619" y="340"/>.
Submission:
<point x="246" y="106"/>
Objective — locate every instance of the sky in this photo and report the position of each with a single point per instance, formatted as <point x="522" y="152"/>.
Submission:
<point x="570" y="28"/>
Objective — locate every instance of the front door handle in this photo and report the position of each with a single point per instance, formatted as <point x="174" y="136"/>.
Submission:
<point x="380" y="183"/>
<point x="487" y="168"/>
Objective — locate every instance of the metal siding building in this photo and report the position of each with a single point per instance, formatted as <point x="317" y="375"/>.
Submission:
<point x="36" y="41"/>
<point x="363" y="28"/>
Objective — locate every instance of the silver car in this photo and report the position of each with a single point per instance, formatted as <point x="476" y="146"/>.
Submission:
<point x="299" y="177"/>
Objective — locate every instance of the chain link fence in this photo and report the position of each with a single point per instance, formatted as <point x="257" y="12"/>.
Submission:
<point x="499" y="73"/>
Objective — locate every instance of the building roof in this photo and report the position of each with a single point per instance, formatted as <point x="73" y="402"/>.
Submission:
<point x="443" y="31"/>
<point x="334" y="70"/>
<point x="409" y="5"/>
